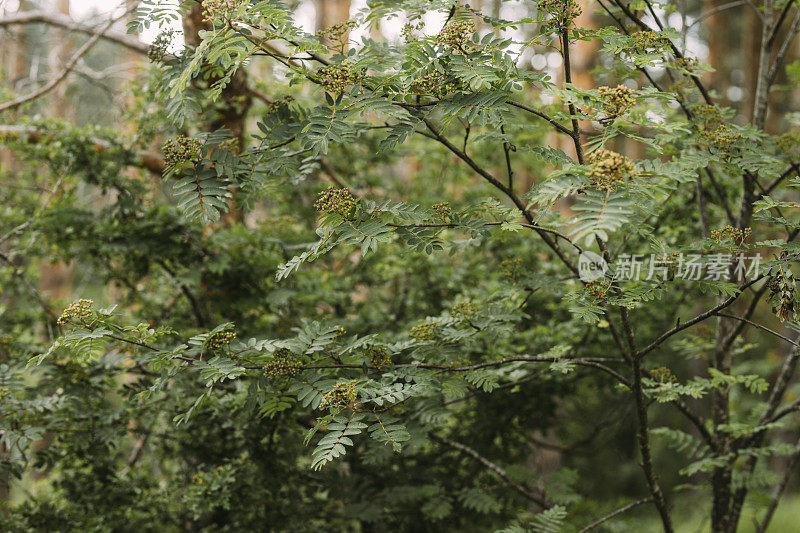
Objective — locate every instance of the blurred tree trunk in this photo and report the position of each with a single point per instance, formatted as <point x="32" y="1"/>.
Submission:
<point x="751" y="48"/>
<point x="56" y="279"/>
<point x="330" y="12"/>
<point x="14" y="62"/>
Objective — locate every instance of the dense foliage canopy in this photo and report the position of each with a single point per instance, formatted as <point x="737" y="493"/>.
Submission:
<point x="453" y="279"/>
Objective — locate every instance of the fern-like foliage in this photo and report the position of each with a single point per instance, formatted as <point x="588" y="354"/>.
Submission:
<point x="332" y="445"/>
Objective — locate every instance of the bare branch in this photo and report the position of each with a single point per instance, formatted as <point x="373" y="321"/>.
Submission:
<point x="536" y="497"/>
<point x="699" y="318"/>
<point x="773" y="332"/>
<point x="67" y="23"/>
<point x="716" y="10"/>
<point x="784" y="49"/>
<point x="615" y="513"/>
<point x="52" y="84"/>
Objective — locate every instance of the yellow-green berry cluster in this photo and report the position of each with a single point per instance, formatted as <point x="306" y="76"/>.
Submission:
<point x="181" y="150"/>
<point x="442" y="210"/>
<point x="788" y="141"/>
<point x="435" y="84"/>
<point x="336" y="78"/>
<point x="283" y="363"/>
<point x="608" y="169"/>
<point x="378" y="357"/>
<point x="220" y="339"/>
<point x="158" y="48"/>
<point x="220" y="9"/>
<point x="408" y="30"/>
<point x="4" y="392"/>
<point x="721" y="138"/>
<point x="338" y="33"/>
<point x="336" y="200"/>
<point x="280" y="104"/>
<point x="730" y="236"/>
<point x="687" y="63"/>
<point x="708" y="114"/>
<point x="425" y="331"/>
<point x="341" y="395"/>
<point x="464" y="310"/>
<point x="645" y="40"/>
<point x="456" y="35"/>
<point x="511" y="267"/>
<point x="561" y="12"/>
<point x="597" y="289"/>
<point x="79" y="311"/>
<point x="663" y="374"/>
<point x="616" y="100"/>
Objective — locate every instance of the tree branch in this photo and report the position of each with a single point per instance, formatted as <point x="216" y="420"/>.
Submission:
<point x="67" y="23"/>
<point x="615" y="513"/>
<point x="536" y="497"/>
<point x="52" y="84"/>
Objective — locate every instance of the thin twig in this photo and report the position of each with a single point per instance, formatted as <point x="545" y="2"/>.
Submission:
<point x="773" y="332"/>
<point x="615" y="513"/>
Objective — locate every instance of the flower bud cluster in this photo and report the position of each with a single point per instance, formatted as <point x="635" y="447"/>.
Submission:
<point x="280" y="104"/>
<point x="378" y="357"/>
<point x="79" y="311"/>
<point x="341" y="395"/>
<point x="456" y="35"/>
<point x="160" y="45"/>
<point x="338" y="33"/>
<point x="616" y="100"/>
<point x="442" y="210"/>
<point x="425" y="331"/>
<point x="608" y="169"/>
<point x="511" y="267"/>
<point x="435" y="84"/>
<point x="181" y="150"/>
<point x="561" y="12"/>
<point x="464" y="310"/>
<point x="597" y="289"/>
<point x="688" y="63"/>
<point x="220" y="9"/>
<point x="408" y="31"/>
<point x="220" y="339"/>
<point x="283" y="363"/>
<point x="645" y="40"/>
<point x="709" y="114"/>
<point x="663" y="374"/>
<point x="721" y="138"/>
<point x="336" y="200"/>
<point x="730" y="236"/>
<point x="336" y="78"/>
